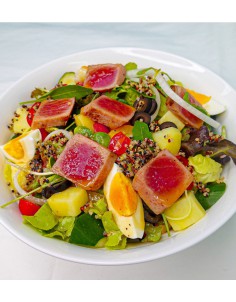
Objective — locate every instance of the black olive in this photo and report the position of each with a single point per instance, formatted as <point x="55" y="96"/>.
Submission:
<point x="141" y="116"/>
<point x="167" y="125"/>
<point x="149" y="215"/>
<point x="153" y="107"/>
<point x="143" y="104"/>
<point x="49" y="191"/>
<point x="136" y="240"/>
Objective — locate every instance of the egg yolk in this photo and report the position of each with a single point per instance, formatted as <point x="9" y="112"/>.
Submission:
<point x="201" y="98"/>
<point x="122" y="195"/>
<point x="14" y="147"/>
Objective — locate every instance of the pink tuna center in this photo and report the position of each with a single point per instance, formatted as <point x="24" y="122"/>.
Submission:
<point x="164" y="175"/>
<point x="102" y="77"/>
<point x="114" y="107"/>
<point x="55" y="107"/>
<point x="81" y="163"/>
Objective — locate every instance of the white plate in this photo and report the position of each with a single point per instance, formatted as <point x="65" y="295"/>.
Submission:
<point x="194" y="76"/>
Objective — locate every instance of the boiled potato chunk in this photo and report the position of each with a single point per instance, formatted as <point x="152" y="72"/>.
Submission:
<point x="184" y="212"/>
<point x="82" y="120"/>
<point x="170" y="117"/>
<point x="168" y="138"/>
<point x="20" y="124"/>
<point x="68" y="202"/>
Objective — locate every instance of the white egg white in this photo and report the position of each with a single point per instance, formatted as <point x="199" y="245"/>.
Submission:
<point x="28" y="144"/>
<point x="213" y="107"/>
<point x="131" y="226"/>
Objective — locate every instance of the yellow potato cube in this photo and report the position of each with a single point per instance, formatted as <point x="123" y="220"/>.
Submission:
<point x="68" y="202"/>
<point x="170" y="117"/>
<point x="184" y="212"/>
<point x="168" y="138"/>
<point x="82" y="120"/>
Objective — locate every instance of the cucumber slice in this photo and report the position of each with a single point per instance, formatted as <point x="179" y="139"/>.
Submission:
<point x="68" y="78"/>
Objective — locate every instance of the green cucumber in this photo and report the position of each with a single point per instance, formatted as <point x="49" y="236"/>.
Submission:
<point x="68" y="78"/>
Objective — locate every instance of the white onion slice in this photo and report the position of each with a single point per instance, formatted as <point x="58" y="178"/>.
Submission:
<point x="158" y="101"/>
<point x="39" y="201"/>
<point x="175" y="97"/>
<point x="56" y="132"/>
<point x="29" y="171"/>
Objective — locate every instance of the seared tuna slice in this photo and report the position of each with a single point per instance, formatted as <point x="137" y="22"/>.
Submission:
<point x="162" y="181"/>
<point x="185" y="116"/>
<point x="84" y="162"/>
<point x="108" y="112"/>
<point x="103" y="77"/>
<point x="53" y="113"/>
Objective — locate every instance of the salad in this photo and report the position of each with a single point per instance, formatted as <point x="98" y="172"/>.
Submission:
<point x="114" y="155"/>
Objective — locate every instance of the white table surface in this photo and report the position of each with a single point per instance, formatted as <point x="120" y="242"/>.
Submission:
<point x="24" y="47"/>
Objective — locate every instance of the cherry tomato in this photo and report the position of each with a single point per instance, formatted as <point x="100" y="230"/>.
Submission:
<point x="119" y="143"/>
<point x="27" y="207"/>
<point x="100" y="128"/>
<point x="31" y="113"/>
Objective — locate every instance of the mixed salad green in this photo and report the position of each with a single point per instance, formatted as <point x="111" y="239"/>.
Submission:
<point x="102" y="204"/>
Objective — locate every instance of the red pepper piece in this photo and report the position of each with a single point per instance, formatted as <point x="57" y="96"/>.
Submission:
<point x="119" y="143"/>
<point x="100" y="128"/>
<point x="27" y="207"/>
<point x="183" y="160"/>
<point x="44" y="133"/>
<point x="31" y="113"/>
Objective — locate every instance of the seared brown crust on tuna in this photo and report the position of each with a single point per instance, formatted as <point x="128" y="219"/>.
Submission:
<point x="103" y="77"/>
<point x="185" y="116"/>
<point x="108" y="112"/>
<point x="162" y="181"/>
<point x="53" y="113"/>
<point x="85" y="163"/>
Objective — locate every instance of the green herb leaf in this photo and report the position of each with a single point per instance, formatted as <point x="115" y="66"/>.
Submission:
<point x="186" y="98"/>
<point x="64" y="92"/>
<point x="143" y="71"/>
<point x="87" y="230"/>
<point x="216" y="192"/>
<point x="131" y="66"/>
<point x="141" y="131"/>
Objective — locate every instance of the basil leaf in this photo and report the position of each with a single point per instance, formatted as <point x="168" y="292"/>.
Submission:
<point x="131" y="66"/>
<point x="216" y="192"/>
<point x="87" y="230"/>
<point x="141" y="131"/>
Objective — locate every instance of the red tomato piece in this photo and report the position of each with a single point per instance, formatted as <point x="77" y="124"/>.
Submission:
<point x="31" y="113"/>
<point x="119" y="143"/>
<point x="100" y="128"/>
<point x="27" y="207"/>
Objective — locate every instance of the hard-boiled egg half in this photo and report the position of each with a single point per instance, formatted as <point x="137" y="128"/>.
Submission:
<point x="124" y="203"/>
<point x="22" y="148"/>
<point x="212" y="106"/>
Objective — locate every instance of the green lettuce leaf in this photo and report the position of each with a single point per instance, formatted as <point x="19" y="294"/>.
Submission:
<point x="115" y="239"/>
<point x="63" y="229"/>
<point x="153" y="233"/>
<point x="44" y="219"/>
<point x="205" y="169"/>
<point x="99" y="208"/>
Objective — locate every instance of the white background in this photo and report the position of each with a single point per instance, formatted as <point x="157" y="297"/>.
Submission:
<point x="25" y="46"/>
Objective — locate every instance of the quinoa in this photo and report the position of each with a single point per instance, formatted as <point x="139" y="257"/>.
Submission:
<point x="137" y="155"/>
